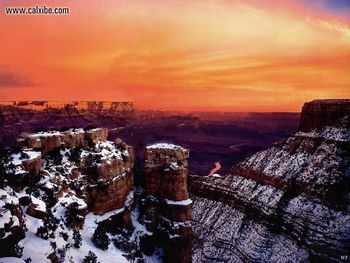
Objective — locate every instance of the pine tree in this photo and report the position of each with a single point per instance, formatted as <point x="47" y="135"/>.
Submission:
<point x="100" y="237"/>
<point x="77" y="238"/>
<point x="50" y="225"/>
<point x="90" y="258"/>
<point x="72" y="213"/>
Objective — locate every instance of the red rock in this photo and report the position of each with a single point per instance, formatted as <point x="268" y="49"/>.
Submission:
<point x="166" y="207"/>
<point x="320" y="113"/>
<point x="171" y="184"/>
<point x="110" y="194"/>
<point x="34" y="212"/>
<point x="16" y="117"/>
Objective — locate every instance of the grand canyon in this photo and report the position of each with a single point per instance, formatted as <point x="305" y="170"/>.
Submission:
<point x="182" y="131"/>
<point x="97" y="181"/>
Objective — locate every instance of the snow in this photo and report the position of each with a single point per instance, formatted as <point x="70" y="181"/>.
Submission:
<point x="40" y="205"/>
<point x="49" y="185"/>
<point x="32" y="154"/>
<point x="53" y="177"/>
<point x="183" y="202"/>
<point x="174" y="166"/>
<point x="216" y="175"/>
<point x="5" y="218"/>
<point x="45" y="134"/>
<point x="328" y="133"/>
<point x="11" y="260"/>
<point x="6" y="198"/>
<point x="107" y="150"/>
<point x="67" y="200"/>
<point x="15" y="221"/>
<point x="56" y="133"/>
<point x="5" y="215"/>
<point x="17" y="160"/>
<point x="36" y="248"/>
<point x="167" y="146"/>
<point x="176" y="224"/>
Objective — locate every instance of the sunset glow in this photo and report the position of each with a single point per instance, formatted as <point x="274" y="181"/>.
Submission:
<point x="185" y="55"/>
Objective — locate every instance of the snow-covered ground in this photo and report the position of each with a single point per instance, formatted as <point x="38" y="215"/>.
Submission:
<point x="167" y="146"/>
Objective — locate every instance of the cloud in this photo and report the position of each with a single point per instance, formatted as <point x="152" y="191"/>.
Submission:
<point x="238" y="55"/>
<point x="11" y="79"/>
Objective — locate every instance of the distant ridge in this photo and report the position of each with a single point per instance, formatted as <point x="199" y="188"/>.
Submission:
<point x="82" y="105"/>
<point x="28" y="116"/>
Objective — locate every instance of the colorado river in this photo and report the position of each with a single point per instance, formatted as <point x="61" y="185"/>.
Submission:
<point x="215" y="169"/>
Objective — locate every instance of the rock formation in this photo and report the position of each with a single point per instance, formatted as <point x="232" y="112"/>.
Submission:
<point x="289" y="203"/>
<point x="64" y="175"/>
<point x="318" y="114"/>
<point x="166" y="209"/>
<point x="29" y="116"/>
<point x="75" y="180"/>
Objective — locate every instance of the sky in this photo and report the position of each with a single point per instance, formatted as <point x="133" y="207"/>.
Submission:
<point x="254" y="55"/>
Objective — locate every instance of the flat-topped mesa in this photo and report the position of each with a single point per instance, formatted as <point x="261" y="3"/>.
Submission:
<point x="317" y="114"/>
<point x="80" y="105"/>
<point x="167" y="208"/>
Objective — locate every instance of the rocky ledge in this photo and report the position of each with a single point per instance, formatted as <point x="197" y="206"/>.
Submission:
<point x="289" y="203"/>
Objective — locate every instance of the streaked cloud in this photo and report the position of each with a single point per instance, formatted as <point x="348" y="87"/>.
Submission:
<point x="229" y="55"/>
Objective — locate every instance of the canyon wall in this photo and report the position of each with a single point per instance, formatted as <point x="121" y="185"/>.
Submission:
<point x="320" y="113"/>
<point x="29" y="116"/>
<point x="289" y="203"/>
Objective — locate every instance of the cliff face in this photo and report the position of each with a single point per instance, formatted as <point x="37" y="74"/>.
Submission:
<point x="289" y="203"/>
<point x="166" y="208"/>
<point x="28" y="116"/>
<point x="320" y="113"/>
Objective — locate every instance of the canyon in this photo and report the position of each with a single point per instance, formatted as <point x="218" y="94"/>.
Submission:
<point x="289" y="203"/>
<point x="131" y="200"/>
<point x="225" y="137"/>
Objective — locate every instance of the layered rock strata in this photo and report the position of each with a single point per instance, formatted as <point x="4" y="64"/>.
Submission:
<point x="29" y="116"/>
<point x="317" y="114"/>
<point x="289" y="203"/>
<point x="166" y="209"/>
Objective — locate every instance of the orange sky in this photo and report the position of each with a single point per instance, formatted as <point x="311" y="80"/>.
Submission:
<point x="190" y="55"/>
